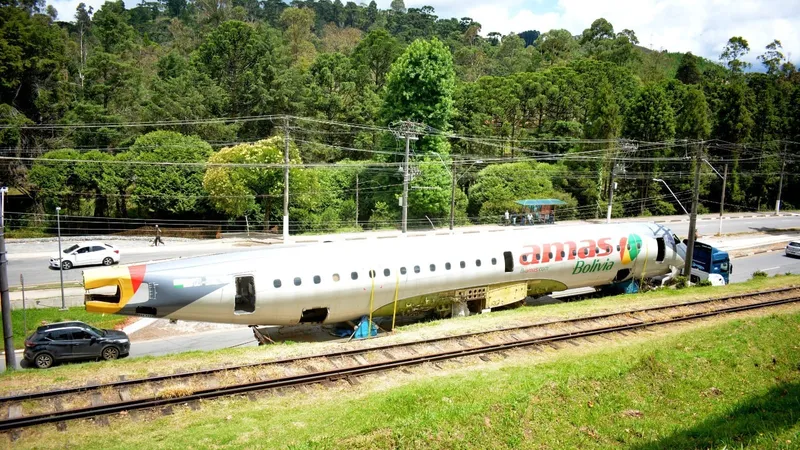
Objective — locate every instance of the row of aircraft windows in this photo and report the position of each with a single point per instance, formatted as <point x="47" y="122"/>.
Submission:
<point x="386" y="272"/>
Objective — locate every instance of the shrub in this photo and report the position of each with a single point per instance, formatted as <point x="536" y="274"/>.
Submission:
<point x="680" y="282"/>
<point x="704" y="283"/>
<point x="759" y="274"/>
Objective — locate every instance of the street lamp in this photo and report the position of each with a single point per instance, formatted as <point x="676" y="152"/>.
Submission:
<point x="60" y="256"/>
<point x="673" y="194"/>
<point x="453" y="186"/>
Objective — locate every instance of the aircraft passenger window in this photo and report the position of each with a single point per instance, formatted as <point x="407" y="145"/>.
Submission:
<point x="617" y="247"/>
<point x="608" y="249"/>
<point x="538" y="257"/>
<point x="463" y="264"/>
<point x="563" y="254"/>
<point x="336" y="277"/>
<point x="317" y="279"/>
<point x="297" y="281"/>
<point x="402" y="271"/>
<point x="574" y="253"/>
<point x="433" y="267"/>
<point x="354" y="275"/>
<point x="478" y="262"/>
<point x="416" y="269"/>
<point x="597" y="250"/>
<point x="245" y="300"/>
<point x="372" y="273"/>
<point x="525" y="257"/>
<point x="550" y="255"/>
<point x="386" y="272"/>
<point x="276" y="283"/>
<point x="447" y="266"/>
<point x="639" y="246"/>
<point x="586" y="252"/>
<point x="494" y="261"/>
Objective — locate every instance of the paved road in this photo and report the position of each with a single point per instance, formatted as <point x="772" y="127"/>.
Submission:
<point x="771" y="263"/>
<point x="36" y="270"/>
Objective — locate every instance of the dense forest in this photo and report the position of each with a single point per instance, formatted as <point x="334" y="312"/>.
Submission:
<point x="181" y="112"/>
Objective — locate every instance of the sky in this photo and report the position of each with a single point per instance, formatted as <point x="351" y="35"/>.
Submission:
<point x="702" y="27"/>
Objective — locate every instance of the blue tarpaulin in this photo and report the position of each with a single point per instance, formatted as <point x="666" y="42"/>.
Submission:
<point x="363" y="329"/>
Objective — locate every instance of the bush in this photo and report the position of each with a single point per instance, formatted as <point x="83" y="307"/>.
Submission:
<point x="680" y="282"/>
<point x="759" y="274"/>
<point x="704" y="283"/>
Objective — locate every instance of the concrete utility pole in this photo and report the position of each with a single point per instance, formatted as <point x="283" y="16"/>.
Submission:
<point x="409" y="131"/>
<point x="285" y="180"/>
<point x="687" y="267"/>
<point x="60" y="258"/>
<point x="780" y="185"/>
<point x="5" y="300"/>
<point x="356" y="200"/>
<point x="453" y="196"/>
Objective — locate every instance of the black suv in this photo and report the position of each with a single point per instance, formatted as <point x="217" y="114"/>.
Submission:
<point x="74" y="340"/>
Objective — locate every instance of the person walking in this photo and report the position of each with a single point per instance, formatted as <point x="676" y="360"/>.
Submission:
<point x="158" y="237"/>
<point x="508" y="217"/>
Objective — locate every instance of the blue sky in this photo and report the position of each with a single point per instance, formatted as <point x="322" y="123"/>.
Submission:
<point x="699" y="26"/>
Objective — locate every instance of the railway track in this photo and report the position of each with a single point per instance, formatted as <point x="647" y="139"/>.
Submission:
<point x="345" y="365"/>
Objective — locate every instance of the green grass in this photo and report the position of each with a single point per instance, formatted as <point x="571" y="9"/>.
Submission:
<point x="42" y="316"/>
<point x="26" y="233"/>
<point x="730" y="385"/>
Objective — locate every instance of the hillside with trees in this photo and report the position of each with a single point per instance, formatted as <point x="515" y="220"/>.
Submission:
<point x="182" y="111"/>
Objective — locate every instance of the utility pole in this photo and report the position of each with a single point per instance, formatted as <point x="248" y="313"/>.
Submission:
<point x="5" y="300"/>
<point x="453" y="196"/>
<point x="687" y="267"/>
<point x="722" y="201"/>
<point x="60" y="258"/>
<point x="356" y="199"/>
<point x="780" y="185"/>
<point x="285" y="180"/>
<point x="611" y="188"/>
<point x="409" y="131"/>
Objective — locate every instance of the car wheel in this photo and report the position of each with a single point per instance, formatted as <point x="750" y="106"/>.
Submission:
<point x="110" y="353"/>
<point x="43" y="360"/>
<point x="107" y="261"/>
<point x="66" y="265"/>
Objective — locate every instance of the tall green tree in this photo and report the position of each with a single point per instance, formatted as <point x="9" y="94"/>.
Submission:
<point x="688" y="73"/>
<point x="736" y="47"/>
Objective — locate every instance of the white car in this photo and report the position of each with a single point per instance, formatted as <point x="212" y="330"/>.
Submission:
<point x="793" y="249"/>
<point x="87" y="254"/>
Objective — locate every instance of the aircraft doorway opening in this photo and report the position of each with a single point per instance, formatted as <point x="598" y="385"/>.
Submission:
<point x="245" y="295"/>
<point x="314" y="315"/>
<point x="509" y="260"/>
<point x="662" y="250"/>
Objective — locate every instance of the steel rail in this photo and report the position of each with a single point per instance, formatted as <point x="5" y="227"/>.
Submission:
<point x="160" y="378"/>
<point x="338" y="374"/>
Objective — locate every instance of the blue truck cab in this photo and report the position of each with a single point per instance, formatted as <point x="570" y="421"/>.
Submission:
<point x="709" y="260"/>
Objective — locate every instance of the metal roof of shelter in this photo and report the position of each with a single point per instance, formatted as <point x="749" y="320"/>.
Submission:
<point x="541" y="202"/>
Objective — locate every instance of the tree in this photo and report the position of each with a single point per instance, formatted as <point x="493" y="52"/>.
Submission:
<point x="111" y="29"/>
<point x="692" y="118"/>
<point x="161" y="190"/>
<point x="556" y="46"/>
<point x="529" y="37"/>
<point x="773" y="58"/>
<point x="297" y="23"/>
<point x="236" y="191"/>
<point x="341" y="40"/>
<point x="688" y="73"/>
<point x="736" y="48"/>
<point x="398" y="6"/>
<point x="512" y="56"/>
<point x="377" y="51"/>
<point x="420" y="85"/>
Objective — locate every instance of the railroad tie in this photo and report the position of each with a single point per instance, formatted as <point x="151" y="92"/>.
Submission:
<point x="124" y="395"/>
<point x="15" y="411"/>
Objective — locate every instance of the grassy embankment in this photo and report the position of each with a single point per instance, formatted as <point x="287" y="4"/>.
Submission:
<point x="39" y="316"/>
<point x="730" y="383"/>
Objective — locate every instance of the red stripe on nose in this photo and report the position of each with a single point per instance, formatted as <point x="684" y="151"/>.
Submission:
<point x="137" y="275"/>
